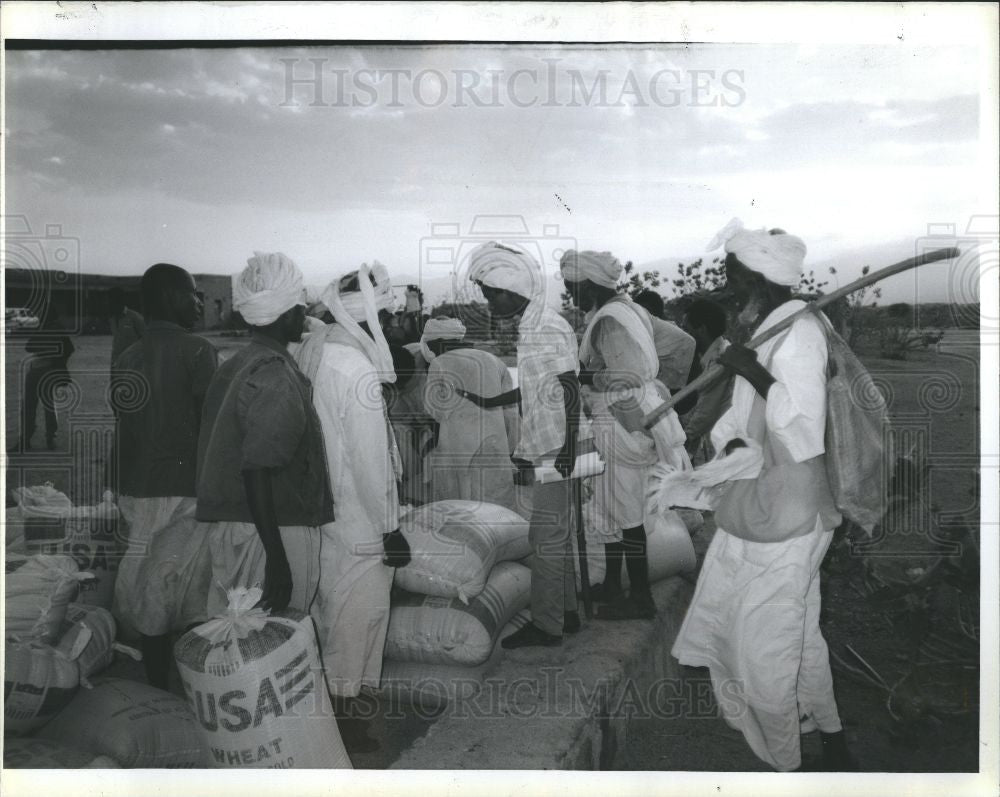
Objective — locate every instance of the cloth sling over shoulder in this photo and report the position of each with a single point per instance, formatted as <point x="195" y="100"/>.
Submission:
<point x="783" y="501"/>
<point x="858" y="441"/>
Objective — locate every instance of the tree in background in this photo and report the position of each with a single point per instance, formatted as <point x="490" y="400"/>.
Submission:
<point x="855" y="319"/>
<point x="635" y="282"/>
<point x="699" y="279"/>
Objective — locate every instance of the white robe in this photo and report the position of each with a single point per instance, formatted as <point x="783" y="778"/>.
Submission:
<point x="352" y="608"/>
<point x="472" y="458"/>
<point x="618" y="345"/>
<point x="754" y="617"/>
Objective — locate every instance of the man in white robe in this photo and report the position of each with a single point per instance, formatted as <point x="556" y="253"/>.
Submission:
<point x="471" y="460"/>
<point x="675" y="348"/>
<point x="754" y="617"/>
<point x="619" y="365"/>
<point x="346" y="363"/>
<point x="548" y="394"/>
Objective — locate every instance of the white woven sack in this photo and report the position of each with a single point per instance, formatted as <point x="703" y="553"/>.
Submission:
<point x="255" y="684"/>
<point x="447" y="631"/>
<point x="455" y="544"/>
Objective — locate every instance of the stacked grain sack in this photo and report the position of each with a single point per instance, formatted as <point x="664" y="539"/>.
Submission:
<point x="46" y="522"/>
<point x="53" y="649"/>
<point x="135" y="725"/>
<point x="452" y="602"/>
<point x="254" y="682"/>
<point x="52" y="646"/>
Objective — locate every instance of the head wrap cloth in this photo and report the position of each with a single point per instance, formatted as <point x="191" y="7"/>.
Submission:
<point x="440" y="329"/>
<point x="601" y="268"/>
<point x="778" y="257"/>
<point x="507" y="268"/>
<point x="363" y="305"/>
<point x="270" y="285"/>
<point x="349" y="309"/>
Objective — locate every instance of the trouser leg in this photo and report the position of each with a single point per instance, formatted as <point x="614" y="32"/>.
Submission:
<point x="47" y="396"/>
<point x="636" y="563"/>
<point x="32" y="384"/>
<point x="614" y="553"/>
<point x="549" y="534"/>
<point x="569" y="578"/>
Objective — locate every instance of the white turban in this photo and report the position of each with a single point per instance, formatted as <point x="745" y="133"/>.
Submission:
<point x="440" y="329"/>
<point x="382" y="294"/>
<point x="507" y="268"/>
<point x="270" y="285"/>
<point x="601" y="268"/>
<point x="363" y="305"/>
<point x="778" y="257"/>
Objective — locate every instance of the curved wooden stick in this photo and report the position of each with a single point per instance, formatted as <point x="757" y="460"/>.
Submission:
<point x="717" y="372"/>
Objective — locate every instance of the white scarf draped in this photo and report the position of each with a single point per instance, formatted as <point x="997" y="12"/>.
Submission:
<point x="363" y="304"/>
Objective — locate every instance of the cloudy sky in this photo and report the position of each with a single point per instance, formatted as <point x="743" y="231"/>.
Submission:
<point x="339" y="155"/>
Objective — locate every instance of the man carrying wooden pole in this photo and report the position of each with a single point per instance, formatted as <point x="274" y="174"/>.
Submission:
<point x="754" y="617"/>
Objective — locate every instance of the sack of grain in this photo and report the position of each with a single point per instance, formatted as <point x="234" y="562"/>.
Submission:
<point x="37" y="591"/>
<point x="448" y="631"/>
<point x="89" y="534"/>
<point x="99" y="626"/>
<point x="693" y="520"/>
<point x="136" y="725"/>
<point x="455" y="544"/>
<point x="42" y="500"/>
<point x="255" y="684"/>
<point x="668" y="549"/>
<point x="432" y="687"/>
<point x="43" y="754"/>
<point x="40" y="680"/>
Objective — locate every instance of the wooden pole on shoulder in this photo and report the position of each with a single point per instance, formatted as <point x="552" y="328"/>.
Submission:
<point x="717" y="372"/>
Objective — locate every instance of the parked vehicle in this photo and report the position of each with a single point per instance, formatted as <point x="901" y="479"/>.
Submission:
<point x="17" y="318"/>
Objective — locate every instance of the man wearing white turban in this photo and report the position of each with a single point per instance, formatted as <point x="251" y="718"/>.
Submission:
<point x="348" y="361"/>
<point x="754" y="617"/>
<point x="471" y="459"/>
<point x="270" y="285"/>
<point x="549" y="397"/>
<point x="262" y="481"/>
<point x="619" y="365"/>
<point x="599" y="268"/>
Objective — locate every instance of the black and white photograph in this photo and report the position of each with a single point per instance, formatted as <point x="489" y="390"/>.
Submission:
<point x="508" y="397"/>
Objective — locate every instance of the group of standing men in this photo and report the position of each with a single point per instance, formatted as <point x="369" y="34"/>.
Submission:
<point x="281" y="466"/>
<point x="275" y="467"/>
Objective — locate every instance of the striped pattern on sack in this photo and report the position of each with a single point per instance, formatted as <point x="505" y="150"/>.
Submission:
<point x="194" y="650"/>
<point x="447" y="631"/>
<point x="454" y="545"/>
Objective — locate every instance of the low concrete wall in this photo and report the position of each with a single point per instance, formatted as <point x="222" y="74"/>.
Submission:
<point x="567" y="707"/>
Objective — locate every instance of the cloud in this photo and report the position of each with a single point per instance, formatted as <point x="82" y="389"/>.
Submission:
<point x="205" y="140"/>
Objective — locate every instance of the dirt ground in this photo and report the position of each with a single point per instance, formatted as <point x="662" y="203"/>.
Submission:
<point x="934" y="407"/>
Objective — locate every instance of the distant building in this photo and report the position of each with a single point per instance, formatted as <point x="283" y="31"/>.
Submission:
<point x="80" y="301"/>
